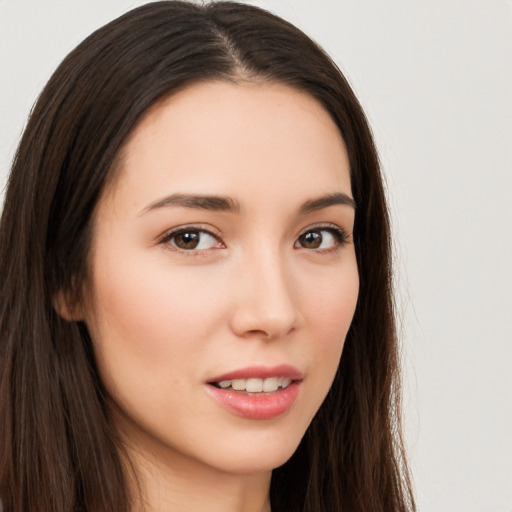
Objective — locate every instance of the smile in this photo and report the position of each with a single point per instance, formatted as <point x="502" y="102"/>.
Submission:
<point x="257" y="393"/>
<point x="254" y="385"/>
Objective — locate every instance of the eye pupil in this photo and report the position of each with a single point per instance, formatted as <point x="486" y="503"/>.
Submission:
<point x="311" y="239"/>
<point x="187" y="240"/>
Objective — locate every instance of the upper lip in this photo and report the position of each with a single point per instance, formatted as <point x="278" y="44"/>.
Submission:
<point x="261" y="372"/>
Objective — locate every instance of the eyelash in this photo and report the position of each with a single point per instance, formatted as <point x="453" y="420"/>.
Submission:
<point x="168" y="236"/>
<point x="340" y="236"/>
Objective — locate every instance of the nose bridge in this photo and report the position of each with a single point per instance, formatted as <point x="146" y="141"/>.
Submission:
<point x="267" y="302"/>
<point x="272" y="275"/>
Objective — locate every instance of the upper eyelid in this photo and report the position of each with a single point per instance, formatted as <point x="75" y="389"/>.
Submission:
<point x="343" y="236"/>
<point x="164" y="240"/>
<point x="325" y="226"/>
<point x="169" y="233"/>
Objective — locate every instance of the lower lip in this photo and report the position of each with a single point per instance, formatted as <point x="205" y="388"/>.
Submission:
<point x="256" y="407"/>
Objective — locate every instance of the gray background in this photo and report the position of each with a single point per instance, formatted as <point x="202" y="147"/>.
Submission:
<point x="435" y="78"/>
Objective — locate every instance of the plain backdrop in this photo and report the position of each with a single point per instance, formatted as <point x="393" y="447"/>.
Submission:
<point x="435" y="78"/>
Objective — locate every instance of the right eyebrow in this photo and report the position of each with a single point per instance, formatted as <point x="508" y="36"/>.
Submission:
<point x="201" y="202"/>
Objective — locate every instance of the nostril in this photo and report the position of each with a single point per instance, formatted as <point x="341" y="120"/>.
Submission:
<point x="258" y="332"/>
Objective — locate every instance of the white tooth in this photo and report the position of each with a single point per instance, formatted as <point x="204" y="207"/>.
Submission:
<point x="238" y="384"/>
<point x="254" y="385"/>
<point x="225" y="383"/>
<point x="270" y="384"/>
<point x="286" y="382"/>
<point x="280" y="381"/>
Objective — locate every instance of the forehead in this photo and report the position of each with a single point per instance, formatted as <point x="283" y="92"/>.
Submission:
<point x="234" y="139"/>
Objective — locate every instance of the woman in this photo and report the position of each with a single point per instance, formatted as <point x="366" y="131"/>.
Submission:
<point x="196" y="304"/>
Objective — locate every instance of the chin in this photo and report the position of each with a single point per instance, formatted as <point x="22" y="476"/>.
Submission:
<point x="261" y="455"/>
<point x="254" y="463"/>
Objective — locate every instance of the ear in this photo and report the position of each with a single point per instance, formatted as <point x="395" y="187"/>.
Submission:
<point x="69" y="310"/>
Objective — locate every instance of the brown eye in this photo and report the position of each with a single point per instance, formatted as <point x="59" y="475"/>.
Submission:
<point x="311" y="239"/>
<point x="321" y="238"/>
<point x="193" y="239"/>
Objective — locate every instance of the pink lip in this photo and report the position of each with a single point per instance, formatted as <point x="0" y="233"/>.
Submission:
<point x="258" y="407"/>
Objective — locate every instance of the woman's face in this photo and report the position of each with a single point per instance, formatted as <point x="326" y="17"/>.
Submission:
<point x="224" y="276"/>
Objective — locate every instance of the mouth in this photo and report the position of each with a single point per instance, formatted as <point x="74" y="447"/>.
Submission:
<point x="257" y="393"/>
<point x="254" y="386"/>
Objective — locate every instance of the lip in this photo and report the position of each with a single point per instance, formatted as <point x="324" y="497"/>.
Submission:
<point x="257" y="407"/>
<point x="261" y="372"/>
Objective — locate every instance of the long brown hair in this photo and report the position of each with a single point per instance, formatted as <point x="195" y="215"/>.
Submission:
<point x="58" y="448"/>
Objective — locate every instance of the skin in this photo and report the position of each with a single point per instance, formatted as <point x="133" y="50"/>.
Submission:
<point x="164" y="320"/>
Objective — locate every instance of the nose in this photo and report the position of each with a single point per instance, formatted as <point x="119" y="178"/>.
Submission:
<point x="267" y="300"/>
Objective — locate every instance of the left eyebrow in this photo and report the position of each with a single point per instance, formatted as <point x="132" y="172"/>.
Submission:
<point x="320" y="203"/>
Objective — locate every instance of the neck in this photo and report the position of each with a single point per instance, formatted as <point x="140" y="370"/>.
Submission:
<point x="159" y="483"/>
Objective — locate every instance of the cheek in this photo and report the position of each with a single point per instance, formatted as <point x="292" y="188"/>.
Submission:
<point x="148" y="324"/>
<point x="331" y="305"/>
<point x="329" y="310"/>
<point x="145" y="297"/>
